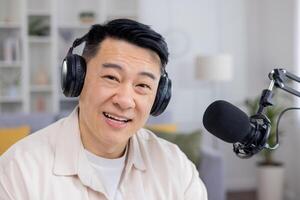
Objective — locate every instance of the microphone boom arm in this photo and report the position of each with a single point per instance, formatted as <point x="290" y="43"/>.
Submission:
<point x="279" y="78"/>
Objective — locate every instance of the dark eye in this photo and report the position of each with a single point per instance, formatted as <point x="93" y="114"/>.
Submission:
<point x="142" y="85"/>
<point x="110" y="77"/>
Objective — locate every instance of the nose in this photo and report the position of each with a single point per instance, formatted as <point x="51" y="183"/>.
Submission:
<point x="124" y="98"/>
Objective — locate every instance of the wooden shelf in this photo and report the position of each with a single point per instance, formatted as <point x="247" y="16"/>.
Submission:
<point x="39" y="39"/>
<point x="75" y="26"/>
<point x="38" y="12"/>
<point x="9" y="25"/>
<point x="40" y="88"/>
<point x="13" y="64"/>
<point x="10" y="100"/>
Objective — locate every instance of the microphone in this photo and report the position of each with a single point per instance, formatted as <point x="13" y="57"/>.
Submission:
<point x="249" y="135"/>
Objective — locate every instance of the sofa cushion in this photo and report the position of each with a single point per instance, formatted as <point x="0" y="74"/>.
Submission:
<point x="9" y="136"/>
<point x="166" y="128"/>
<point x="189" y="143"/>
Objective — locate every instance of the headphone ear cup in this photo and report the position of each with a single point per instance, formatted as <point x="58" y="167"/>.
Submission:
<point x="163" y="96"/>
<point x="72" y="75"/>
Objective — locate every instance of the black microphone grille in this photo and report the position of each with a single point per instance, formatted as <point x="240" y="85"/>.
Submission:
<point x="226" y="121"/>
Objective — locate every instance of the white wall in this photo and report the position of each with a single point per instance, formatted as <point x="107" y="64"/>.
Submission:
<point x="260" y="36"/>
<point x="272" y="43"/>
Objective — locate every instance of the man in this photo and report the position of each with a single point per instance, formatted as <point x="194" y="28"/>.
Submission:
<point x="101" y="151"/>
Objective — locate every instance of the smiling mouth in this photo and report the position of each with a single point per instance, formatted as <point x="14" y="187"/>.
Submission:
<point x="119" y="119"/>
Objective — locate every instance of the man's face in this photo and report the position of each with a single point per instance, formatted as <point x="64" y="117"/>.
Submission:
<point x="118" y="92"/>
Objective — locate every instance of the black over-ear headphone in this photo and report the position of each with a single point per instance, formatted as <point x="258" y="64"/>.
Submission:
<point x="73" y="72"/>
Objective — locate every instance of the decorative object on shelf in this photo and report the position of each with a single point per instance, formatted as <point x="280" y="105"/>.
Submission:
<point x="11" y="49"/>
<point x="14" y="88"/>
<point x="39" y="25"/>
<point x="87" y="17"/>
<point x="13" y="91"/>
<point x="40" y="104"/>
<point x="41" y="77"/>
<point x="10" y="85"/>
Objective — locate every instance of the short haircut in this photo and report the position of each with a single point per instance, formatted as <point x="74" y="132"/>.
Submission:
<point x="128" y="30"/>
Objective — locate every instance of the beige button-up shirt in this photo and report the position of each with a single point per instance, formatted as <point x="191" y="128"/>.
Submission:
<point x="51" y="164"/>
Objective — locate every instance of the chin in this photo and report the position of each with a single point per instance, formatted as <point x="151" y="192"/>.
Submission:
<point x="117" y="139"/>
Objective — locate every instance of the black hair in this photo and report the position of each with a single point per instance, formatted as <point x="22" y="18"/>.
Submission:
<point x="129" y="30"/>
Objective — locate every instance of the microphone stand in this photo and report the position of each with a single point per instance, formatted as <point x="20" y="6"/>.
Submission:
<point x="260" y="121"/>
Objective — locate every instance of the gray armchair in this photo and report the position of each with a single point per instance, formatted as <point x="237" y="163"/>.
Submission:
<point x="211" y="171"/>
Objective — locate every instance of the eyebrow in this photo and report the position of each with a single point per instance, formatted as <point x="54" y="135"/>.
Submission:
<point x="118" y="67"/>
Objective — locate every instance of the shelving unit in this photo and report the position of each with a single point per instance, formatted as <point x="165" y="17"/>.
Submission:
<point x="11" y="65"/>
<point x="40" y="16"/>
<point x="35" y="36"/>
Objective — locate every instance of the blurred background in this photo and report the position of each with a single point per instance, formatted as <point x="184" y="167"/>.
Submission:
<point x="219" y="49"/>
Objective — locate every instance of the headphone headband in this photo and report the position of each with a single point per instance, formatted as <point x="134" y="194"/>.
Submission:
<point x="77" y="42"/>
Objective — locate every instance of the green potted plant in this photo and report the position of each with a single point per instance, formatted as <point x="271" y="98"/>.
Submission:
<point x="39" y="25"/>
<point x="270" y="172"/>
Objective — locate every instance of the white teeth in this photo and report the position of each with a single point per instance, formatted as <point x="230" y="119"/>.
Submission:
<point x="116" y="118"/>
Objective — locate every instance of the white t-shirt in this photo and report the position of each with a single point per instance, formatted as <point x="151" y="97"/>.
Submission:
<point x="109" y="172"/>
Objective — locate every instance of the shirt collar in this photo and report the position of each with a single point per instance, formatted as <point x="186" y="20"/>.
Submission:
<point x="135" y="157"/>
